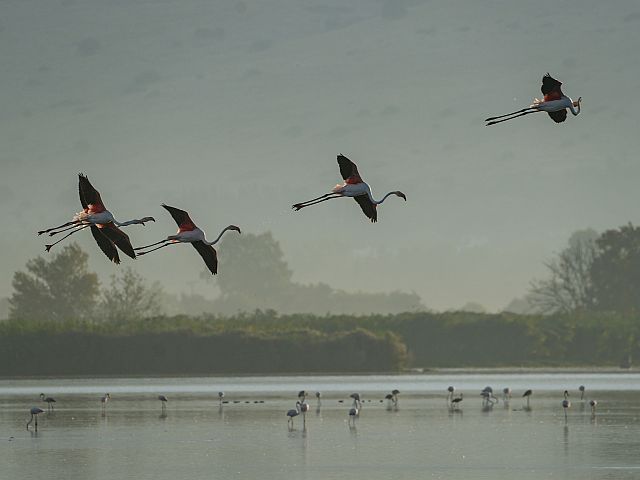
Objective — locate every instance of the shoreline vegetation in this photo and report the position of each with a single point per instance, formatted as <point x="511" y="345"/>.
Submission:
<point x="265" y="342"/>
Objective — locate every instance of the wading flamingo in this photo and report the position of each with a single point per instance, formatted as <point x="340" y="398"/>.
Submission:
<point x="104" y="227"/>
<point x="353" y="186"/>
<point x="35" y="411"/>
<point x="566" y="404"/>
<point x="293" y="413"/>
<point x="164" y="401"/>
<point x="50" y="401"/>
<point x="188" y="232"/>
<point x="554" y="102"/>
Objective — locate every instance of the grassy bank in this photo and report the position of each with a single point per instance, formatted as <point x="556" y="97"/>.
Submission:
<point x="265" y="342"/>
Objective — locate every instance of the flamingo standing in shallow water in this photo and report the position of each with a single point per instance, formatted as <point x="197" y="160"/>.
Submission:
<point x="35" y="411"/>
<point x="506" y="394"/>
<point x="164" y="401"/>
<point x="104" y="227"/>
<point x="188" y="232"/>
<point x="354" y="411"/>
<point x="353" y="186"/>
<point x="566" y="404"/>
<point x="451" y="389"/>
<point x="554" y="102"/>
<point x="455" y="402"/>
<point x="293" y="413"/>
<point x="104" y="400"/>
<point x="50" y="401"/>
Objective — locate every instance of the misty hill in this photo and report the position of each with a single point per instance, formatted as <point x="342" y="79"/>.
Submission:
<point x="235" y="110"/>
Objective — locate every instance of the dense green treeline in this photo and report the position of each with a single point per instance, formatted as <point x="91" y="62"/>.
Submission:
<point x="265" y="342"/>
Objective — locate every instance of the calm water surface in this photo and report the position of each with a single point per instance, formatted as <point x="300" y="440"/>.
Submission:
<point x="196" y="438"/>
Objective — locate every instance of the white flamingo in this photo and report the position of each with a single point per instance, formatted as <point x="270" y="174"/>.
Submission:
<point x="354" y="411"/>
<point x="104" y="227"/>
<point x="104" y="400"/>
<point x="554" y="102"/>
<point x="188" y="232"/>
<point x="353" y="186"/>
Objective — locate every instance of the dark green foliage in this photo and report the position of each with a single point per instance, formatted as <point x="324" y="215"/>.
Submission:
<point x="84" y="352"/>
<point x="615" y="272"/>
<point x="57" y="289"/>
<point x="267" y="342"/>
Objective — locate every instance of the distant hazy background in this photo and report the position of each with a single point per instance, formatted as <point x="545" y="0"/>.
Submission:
<point x="235" y="110"/>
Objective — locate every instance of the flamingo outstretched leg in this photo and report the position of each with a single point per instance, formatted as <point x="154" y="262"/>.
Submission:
<point x="158" y="248"/>
<point x="511" y="118"/>
<point x="48" y="247"/>
<point x="73" y="222"/>
<point x="323" y="198"/>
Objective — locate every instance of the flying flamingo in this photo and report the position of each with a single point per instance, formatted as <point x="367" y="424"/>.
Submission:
<point x="353" y="186"/>
<point x="188" y="232"/>
<point x="35" y="411"/>
<point x="50" y="401"/>
<point x="104" y="227"/>
<point x="554" y="102"/>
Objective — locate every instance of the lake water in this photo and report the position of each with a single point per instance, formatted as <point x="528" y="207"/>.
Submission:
<point x="196" y="438"/>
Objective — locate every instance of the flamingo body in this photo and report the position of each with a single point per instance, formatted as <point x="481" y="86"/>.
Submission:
<point x="104" y="227"/>
<point x="188" y="232"/>
<point x="354" y="187"/>
<point x="554" y="102"/>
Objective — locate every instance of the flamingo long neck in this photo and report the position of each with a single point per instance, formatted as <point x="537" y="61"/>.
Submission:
<point x="129" y="222"/>
<point x="573" y="110"/>
<point x="378" y="202"/>
<point x="219" y="237"/>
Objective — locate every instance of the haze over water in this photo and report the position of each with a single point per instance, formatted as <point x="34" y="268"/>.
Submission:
<point x="234" y="110"/>
<point x="422" y="439"/>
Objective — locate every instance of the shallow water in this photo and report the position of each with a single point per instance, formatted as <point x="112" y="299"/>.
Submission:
<point x="423" y="438"/>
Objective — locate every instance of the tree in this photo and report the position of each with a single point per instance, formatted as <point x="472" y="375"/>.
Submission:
<point x="253" y="267"/>
<point x="130" y="298"/>
<point x="58" y="289"/>
<point x="615" y="272"/>
<point x="568" y="287"/>
<point x="254" y="275"/>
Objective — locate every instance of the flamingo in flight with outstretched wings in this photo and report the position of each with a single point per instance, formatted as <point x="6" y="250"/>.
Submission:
<point x="353" y="186"/>
<point x="104" y="227"/>
<point x="188" y="232"/>
<point x="554" y="102"/>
